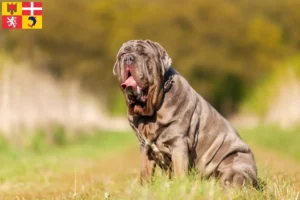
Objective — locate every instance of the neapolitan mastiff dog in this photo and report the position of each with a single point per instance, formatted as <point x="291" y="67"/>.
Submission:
<point x="177" y="129"/>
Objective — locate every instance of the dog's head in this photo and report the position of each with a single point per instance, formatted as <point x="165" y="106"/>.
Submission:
<point x="140" y="68"/>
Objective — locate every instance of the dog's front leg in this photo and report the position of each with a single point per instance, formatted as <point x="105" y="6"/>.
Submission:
<point x="180" y="158"/>
<point x="147" y="166"/>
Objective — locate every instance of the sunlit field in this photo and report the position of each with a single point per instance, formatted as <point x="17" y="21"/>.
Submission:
<point x="106" y="165"/>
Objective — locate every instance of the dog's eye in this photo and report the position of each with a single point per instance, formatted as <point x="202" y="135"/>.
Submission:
<point x="143" y="54"/>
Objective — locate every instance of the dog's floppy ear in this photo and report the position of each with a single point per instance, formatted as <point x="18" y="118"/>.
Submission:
<point x="166" y="60"/>
<point x="164" y="57"/>
<point x="116" y="68"/>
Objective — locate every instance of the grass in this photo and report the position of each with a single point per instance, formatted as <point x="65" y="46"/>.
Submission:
<point x="108" y="163"/>
<point x="20" y="158"/>
<point x="283" y="142"/>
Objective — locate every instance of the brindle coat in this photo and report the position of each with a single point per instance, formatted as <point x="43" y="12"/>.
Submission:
<point x="177" y="129"/>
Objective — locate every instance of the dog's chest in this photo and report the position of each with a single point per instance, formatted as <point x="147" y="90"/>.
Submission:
<point x="148" y="131"/>
<point x="150" y="137"/>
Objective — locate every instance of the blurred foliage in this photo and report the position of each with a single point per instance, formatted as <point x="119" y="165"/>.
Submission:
<point x="59" y="136"/>
<point x="222" y="47"/>
<point x="38" y="142"/>
<point x="41" y="140"/>
<point x="3" y="142"/>
<point x="268" y="88"/>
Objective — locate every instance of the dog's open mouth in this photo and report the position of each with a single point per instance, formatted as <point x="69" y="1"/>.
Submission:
<point x="135" y="94"/>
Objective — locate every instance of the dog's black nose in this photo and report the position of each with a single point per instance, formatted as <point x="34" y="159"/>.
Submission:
<point x="129" y="59"/>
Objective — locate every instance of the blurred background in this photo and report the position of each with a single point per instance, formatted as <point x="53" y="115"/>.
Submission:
<point x="242" y="56"/>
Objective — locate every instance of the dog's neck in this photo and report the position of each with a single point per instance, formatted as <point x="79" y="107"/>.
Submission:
<point x="168" y="79"/>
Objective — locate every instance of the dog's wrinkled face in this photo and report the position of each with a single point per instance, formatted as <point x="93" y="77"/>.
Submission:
<point x="140" y="68"/>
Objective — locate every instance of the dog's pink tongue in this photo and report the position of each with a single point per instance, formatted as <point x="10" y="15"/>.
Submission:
<point x="130" y="82"/>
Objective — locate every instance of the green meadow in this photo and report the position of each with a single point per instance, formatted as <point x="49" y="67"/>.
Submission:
<point x="105" y="165"/>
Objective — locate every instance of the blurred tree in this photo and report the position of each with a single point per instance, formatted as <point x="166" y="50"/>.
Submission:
<point x="222" y="47"/>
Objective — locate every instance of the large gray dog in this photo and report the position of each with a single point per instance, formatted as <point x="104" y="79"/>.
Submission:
<point x="177" y="129"/>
